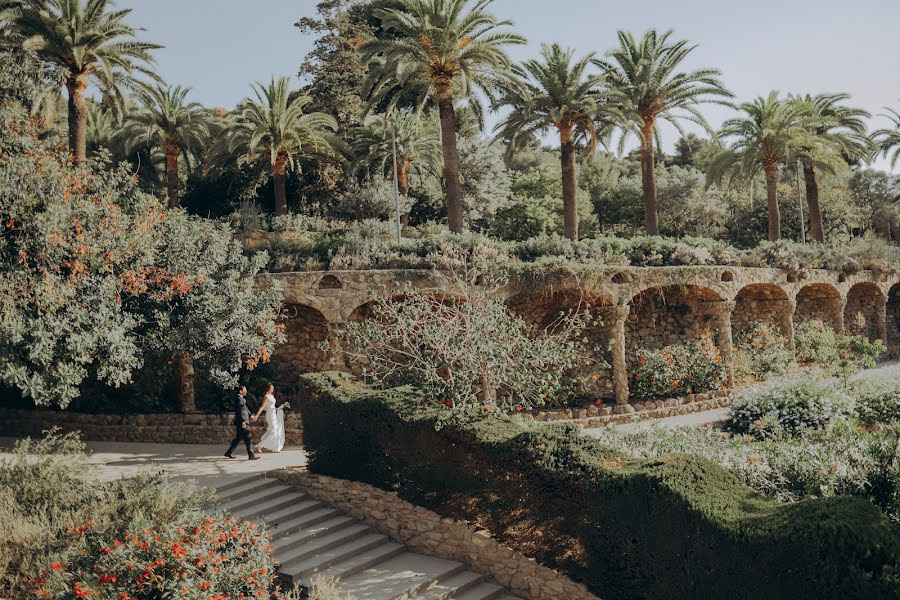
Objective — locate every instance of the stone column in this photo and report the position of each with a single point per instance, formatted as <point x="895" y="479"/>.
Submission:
<point x="619" y="366"/>
<point x="722" y="313"/>
<point x="789" y="325"/>
<point x="881" y="321"/>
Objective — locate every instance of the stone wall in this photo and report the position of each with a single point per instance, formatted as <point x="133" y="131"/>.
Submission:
<point x="427" y="532"/>
<point x="153" y="428"/>
<point x="640" y="307"/>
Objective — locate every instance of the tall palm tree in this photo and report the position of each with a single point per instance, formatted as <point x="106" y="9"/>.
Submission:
<point x="167" y="120"/>
<point x="844" y="129"/>
<point x="554" y="93"/>
<point x="90" y="41"/>
<point x="273" y="127"/>
<point x="888" y="138"/>
<point x="438" y="49"/>
<point x="418" y="147"/>
<point x="646" y="86"/>
<point x="769" y="133"/>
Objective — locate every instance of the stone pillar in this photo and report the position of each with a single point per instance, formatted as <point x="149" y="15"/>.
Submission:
<point x="619" y="365"/>
<point x="789" y="325"/>
<point x="722" y="313"/>
<point x="839" y="316"/>
<point x="881" y="321"/>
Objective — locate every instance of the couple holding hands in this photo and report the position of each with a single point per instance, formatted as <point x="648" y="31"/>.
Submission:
<point x="273" y="439"/>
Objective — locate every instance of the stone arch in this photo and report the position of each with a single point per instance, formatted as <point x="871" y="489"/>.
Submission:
<point x="542" y="311"/>
<point x="863" y="311"/>
<point x="893" y="321"/>
<point x="663" y="316"/>
<point x="305" y="328"/>
<point x="330" y="282"/>
<point x="727" y="276"/>
<point x="761" y="303"/>
<point x="820" y="302"/>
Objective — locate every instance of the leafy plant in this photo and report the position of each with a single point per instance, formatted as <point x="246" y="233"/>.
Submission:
<point x="761" y="353"/>
<point x="684" y="368"/>
<point x="819" y="344"/>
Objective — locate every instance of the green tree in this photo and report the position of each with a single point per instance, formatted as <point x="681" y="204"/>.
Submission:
<point x="769" y="133"/>
<point x="876" y="195"/>
<point x="555" y="92"/>
<point x="841" y="127"/>
<point x="888" y="143"/>
<point x="90" y="41"/>
<point x="418" y="147"/>
<point x="274" y="128"/>
<point x="440" y="49"/>
<point x="646" y="86"/>
<point x="169" y="122"/>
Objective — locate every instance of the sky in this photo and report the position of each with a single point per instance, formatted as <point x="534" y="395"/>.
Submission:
<point x="219" y="47"/>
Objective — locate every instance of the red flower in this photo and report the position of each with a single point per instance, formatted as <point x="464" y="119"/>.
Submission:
<point x="56" y="566"/>
<point x="105" y="551"/>
<point x="177" y="550"/>
<point x="598" y="402"/>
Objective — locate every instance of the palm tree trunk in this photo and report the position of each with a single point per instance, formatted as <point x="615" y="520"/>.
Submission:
<point x="76" y="86"/>
<point x="816" y="229"/>
<point x="772" y="201"/>
<point x="648" y="179"/>
<point x="452" y="191"/>
<point x="570" y="200"/>
<point x="403" y="186"/>
<point x="186" y="383"/>
<point x="278" y="173"/>
<point x="172" y="153"/>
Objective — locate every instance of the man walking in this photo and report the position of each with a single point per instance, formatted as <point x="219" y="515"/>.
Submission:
<point x="241" y="425"/>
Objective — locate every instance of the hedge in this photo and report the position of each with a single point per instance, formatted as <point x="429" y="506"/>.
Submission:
<point x="676" y="527"/>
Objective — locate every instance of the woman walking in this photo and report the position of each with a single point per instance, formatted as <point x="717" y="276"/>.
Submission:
<point x="273" y="439"/>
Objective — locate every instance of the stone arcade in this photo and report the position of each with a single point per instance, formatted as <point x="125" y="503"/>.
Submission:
<point x="638" y="308"/>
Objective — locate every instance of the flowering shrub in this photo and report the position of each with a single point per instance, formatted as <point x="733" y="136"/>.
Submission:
<point x="761" y="352"/>
<point x="877" y="395"/>
<point x="684" y="368"/>
<point x="787" y="407"/>
<point x="818" y="344"/>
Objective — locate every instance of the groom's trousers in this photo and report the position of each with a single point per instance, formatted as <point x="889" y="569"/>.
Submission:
<point x="242" y="434"/>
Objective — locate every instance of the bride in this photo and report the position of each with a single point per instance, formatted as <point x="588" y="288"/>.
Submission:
<point x="273" y="439"/>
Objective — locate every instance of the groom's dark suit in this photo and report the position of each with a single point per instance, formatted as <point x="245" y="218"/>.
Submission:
<point x="241" y="426"/>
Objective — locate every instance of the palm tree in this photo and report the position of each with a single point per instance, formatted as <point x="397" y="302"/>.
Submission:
<point x="646" y="86"/>
<point x="90" y="41"/>
<point x="554" y="92"/>
<point x="844" y="129"/>
<point x="888" y="139"/>
<point x="770" y="133"/>
<point x="175" y="126"/>
<point x="418" y="147"/>
<point x="273" y="127"/>
<point x="438" y="49"/>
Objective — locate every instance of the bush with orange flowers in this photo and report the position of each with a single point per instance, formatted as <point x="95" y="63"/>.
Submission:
<point x="680" y="369"/>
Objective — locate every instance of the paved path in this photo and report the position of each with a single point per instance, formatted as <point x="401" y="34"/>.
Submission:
<point x="206" y="464"/>
<point x="691" y="419"/>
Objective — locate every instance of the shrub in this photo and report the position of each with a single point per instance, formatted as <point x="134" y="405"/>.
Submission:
<point x="787" y="407"/>
<point x="684" y="368"/>
<point x="877" y="395"/>
<point x="761" y="353"/>
<point x="547" y="489"/>
<point x="819" y="344"/>
<point x="60" y="523"/>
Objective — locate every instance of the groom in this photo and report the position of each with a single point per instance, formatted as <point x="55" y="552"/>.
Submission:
<point x="241" y="425"/>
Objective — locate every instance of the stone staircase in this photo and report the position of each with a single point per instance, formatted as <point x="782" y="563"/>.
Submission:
<point x="313" y="539"/>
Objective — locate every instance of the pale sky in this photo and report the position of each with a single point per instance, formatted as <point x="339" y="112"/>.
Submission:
<point x="796" y="46"/>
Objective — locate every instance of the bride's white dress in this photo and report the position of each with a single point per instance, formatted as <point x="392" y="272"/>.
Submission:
<point x="273" y="439"/>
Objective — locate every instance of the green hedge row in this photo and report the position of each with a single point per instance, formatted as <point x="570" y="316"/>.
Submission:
<point x="678" y="527"/>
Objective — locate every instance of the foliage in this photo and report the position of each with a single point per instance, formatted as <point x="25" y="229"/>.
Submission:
<point x="819" y="344"/>
<point x="762" y="352"/>
<point x="685" y="368"/>
<point x="484" y="181"/>
<point x="685" y="207"/>
<point x="463" y="345"/>
<point x="66" y="531"/>
<point x="517" y="479"/>
<point x="877" y="394"/>
<point x="374" y="198"/>
<point x="788" y="407"/>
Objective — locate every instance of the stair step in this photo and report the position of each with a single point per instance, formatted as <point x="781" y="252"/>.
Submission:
<point x="450" y="587"/>
<point x="508" y="597"/>
<point x="256" y="498"/>
<point x="317" y="546"/>
<point x="295" y="524"/>
<point x="304" y="569"/>
<point x="236" y="483"/>
<point x="400" y="578"/>
<point x="360" y="562"/>
<point x="482" y="591"/>
<point x="283" y="514"/>
<point x="312" y="532"/>
<point x="265" y="508"/>
<point x="232" y="492"/>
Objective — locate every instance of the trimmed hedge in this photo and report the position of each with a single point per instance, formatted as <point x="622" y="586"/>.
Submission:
<point x="677" y="527"/>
